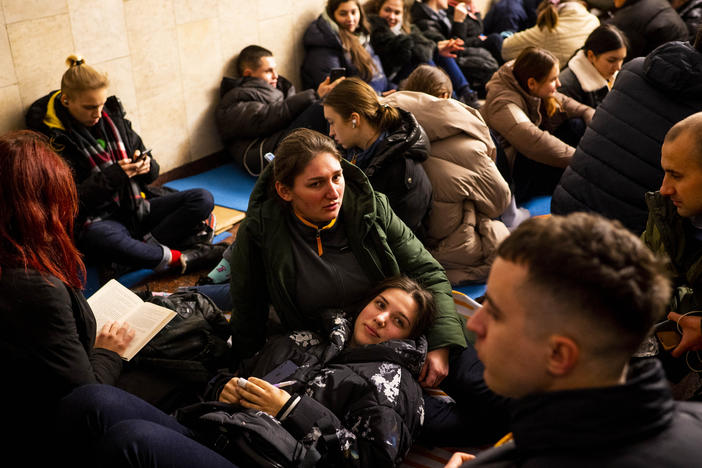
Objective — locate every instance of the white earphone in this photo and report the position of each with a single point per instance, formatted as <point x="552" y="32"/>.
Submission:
<point x="353" y="123"/>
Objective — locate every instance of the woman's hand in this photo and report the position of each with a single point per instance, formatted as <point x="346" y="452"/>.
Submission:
<point x="448" y="47"/>
<point x="115" y="336"/>
<point x="435" y="368"/>
<point x="458" y="459"/>
<point x="325" y="86"/>
<point x="460" y="11"/>
<point x="260" y="395"/>
<point x="691" y="333"/>
<point x="230" y="392"/>
<point x="135" y="168"/>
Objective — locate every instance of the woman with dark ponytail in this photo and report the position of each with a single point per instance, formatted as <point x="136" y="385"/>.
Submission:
<point x="340" y="38"/>
<point x="387" y="143"/>
<point x="591" y="72"/>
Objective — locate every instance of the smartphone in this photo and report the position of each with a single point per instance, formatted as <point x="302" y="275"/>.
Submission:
<point x="336" y="73"/>
<point x="284" y="370"/>
<point x="142" y="155"/>
<point x="668" y="339"/>
<point x="667" y="334"/>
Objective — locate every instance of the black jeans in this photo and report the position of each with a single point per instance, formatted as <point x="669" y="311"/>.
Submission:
<point x="173" y="218"/>
<point x="478" y="417"/>
<point x="532" y="179"/>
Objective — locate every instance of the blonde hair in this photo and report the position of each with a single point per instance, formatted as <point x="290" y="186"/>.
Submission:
<point x="81" y="77"/>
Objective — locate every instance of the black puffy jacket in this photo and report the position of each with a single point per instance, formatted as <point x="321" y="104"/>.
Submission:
<point x="399" y="50"/>
<point x="252" y="116"/>
<point x="691" y="14"/>
<point x="365" y="401"/>
<point x="648" y="24"/>
<point x="618" y="159"/>
<point x="394" y="167"/>
<point x="636" y="425"/>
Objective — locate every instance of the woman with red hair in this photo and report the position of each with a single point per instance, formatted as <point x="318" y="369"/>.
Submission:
<point x="48" y="333"/>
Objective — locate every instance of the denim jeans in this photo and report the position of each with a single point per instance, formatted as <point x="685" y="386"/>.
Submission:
<point x="173" y="217"/>
<point x="458" y="79"/>
<point x="219" y="293"/>
<point x="106" y="426"/>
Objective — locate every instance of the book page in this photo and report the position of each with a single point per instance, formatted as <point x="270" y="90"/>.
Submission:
<point x="111" y="302"/>
<point x="115" y="302"/>
<point x="147" y="320"/>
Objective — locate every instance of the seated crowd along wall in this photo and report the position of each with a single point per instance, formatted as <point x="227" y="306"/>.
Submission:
<point x="165" y="58"/>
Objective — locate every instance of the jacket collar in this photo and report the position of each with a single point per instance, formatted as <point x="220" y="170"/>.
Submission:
<point x="51" y="118"/>
<point x="284" y="86"/>
<point x="358" y="202"/>
<point x="586" y="73"/>
<point x="591" y="418"/>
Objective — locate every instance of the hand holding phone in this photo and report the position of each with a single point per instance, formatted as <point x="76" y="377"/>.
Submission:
<point x="336" y="73"/>
<point x="142" y="155"/>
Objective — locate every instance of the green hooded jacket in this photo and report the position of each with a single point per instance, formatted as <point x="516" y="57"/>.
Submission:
<point x="669" y="234"/>
<point x="264" y="271"/>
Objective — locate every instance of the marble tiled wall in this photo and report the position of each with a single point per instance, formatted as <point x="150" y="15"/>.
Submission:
<point x="165" y="58"/>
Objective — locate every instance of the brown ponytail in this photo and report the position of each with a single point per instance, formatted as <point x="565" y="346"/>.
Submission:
<point x="547" y="15"/>
<point x="354" y="95"/>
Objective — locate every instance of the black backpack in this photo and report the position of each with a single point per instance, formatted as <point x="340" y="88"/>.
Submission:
<point x="174" y="367"/>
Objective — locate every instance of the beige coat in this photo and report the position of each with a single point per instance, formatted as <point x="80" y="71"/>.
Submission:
<point x="469" y="191"/>
<point x="516" y="116"/>
<point x="575" y="23"/>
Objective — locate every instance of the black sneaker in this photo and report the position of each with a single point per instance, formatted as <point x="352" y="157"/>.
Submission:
<point x="470" y="98"/>
<point x="204" y="235"/>
<point x="201" y="256"/>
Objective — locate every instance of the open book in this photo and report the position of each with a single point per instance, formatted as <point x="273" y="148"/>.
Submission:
<point x="114" y="301"/>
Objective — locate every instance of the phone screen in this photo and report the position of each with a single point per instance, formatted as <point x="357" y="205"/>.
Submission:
<point x="336" y="73"/>
<point x="669" y="339"/>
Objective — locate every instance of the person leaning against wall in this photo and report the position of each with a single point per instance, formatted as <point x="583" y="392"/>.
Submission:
<point x="259" y="107"/>
<point x="121" y="224"/>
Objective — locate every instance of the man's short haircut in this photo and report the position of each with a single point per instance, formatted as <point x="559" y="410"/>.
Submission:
<point x="692" y="126"/>
<point x="593" y="268"/>
<point x="250" y="57"/>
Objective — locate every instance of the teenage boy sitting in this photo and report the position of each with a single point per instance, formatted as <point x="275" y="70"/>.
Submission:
<point x="257" y="109"/>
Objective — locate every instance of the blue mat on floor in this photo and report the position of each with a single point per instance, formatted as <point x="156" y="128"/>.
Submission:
<point x="92" y="280"/>
<point x="473" y="291"/>
<point x="230" y="185"/>
<point x="538" y="206"/>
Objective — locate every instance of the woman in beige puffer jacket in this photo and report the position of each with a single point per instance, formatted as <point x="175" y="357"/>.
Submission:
<point x="526" y="113"/>
<point x="468" y="190"/>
